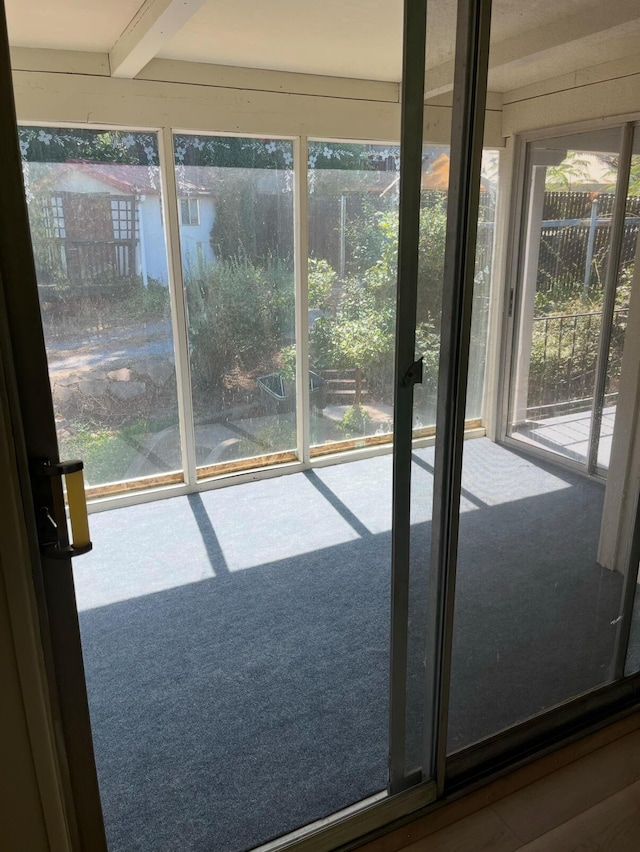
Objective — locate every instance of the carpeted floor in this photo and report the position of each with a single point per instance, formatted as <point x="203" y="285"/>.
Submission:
<point x="236" y="641"/>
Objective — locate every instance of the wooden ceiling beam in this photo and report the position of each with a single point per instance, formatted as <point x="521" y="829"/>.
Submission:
<point x="154" y="25"/>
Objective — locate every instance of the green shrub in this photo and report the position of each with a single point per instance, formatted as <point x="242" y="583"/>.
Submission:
<point x="322" y="278"/>
<point x="355" y="422"/>
<point x="239" y="315"/>
<point x="358" y="330"/>
<point x="287" y="363"/>
<point x="148" y="303"/>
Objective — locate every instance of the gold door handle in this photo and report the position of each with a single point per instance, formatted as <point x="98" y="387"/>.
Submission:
<point x="77" y="503"/>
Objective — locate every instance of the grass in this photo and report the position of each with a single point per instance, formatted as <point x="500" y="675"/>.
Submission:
<point x="108" y="452"/>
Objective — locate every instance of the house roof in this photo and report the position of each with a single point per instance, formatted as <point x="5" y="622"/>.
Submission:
<point x="128" y="179"/>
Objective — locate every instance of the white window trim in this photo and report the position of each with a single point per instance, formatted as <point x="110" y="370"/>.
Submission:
<point x="187" y="204"/>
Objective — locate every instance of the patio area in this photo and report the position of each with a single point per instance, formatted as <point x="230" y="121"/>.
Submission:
<point x="568" y="434"/>
<point x="236" y="641"/>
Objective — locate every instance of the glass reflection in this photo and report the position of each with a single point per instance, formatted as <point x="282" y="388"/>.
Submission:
<point x="236" y="235"/>
<point x="95" y="210"/>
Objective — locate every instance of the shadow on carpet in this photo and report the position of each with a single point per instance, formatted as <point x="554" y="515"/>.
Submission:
<point x="234" y="709"/>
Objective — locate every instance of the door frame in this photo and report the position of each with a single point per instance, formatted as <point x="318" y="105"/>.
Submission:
<point x="512" y="291"/>
<point x="31" y="412"/>
<point x="17" y="550"/>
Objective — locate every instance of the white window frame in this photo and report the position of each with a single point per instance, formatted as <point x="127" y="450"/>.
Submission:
<point x="188" y="205"/>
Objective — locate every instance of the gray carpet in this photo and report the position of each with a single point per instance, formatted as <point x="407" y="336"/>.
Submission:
<point x="236" y="641"/>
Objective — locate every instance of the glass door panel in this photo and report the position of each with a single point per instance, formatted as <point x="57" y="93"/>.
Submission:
<point x="539" y="599"/>
<point x="433" y="227"/>
<point x="353" y="247"/>
<point x="620" y="316"/>
<point x="536" y="614"/>
<point x="571" y="185"/>
<point x="238" y="664"/>
<point x="95" y="210"/>
<point x="542" y="592"/>
<point x="236" y="231"/>
<point x="450" y="185"/>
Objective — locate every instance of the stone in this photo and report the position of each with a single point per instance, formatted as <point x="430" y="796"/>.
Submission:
<point x="92" y="387"/>
<point x="157" y="370"/>
<point x="124" y="374"/>
<point x="63" y="393"/>
<point x="127" y="390"/>
<point x="67" y="381"/>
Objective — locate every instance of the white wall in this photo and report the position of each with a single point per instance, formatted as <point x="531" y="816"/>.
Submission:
<point x="192" y="96"/>
<point x="152" y="238"/>
<point x="195" y="240"/>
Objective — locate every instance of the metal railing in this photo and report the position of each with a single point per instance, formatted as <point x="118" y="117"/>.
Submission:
<point x="564" y="350"/>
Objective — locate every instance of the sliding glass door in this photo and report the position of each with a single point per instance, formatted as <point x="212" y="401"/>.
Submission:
<point x="292" y="633"/>
<point x="571" y="298"/>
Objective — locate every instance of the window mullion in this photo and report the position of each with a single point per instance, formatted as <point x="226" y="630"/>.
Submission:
<point x="408" y="241"/>
<point x="301" y="251"/>
<point x="609" y="301"/>
<point x="172" y="211"/>
<point x="467" y="129"/>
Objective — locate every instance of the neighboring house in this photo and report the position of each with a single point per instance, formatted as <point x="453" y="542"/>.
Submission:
<point x="103" y="223"/>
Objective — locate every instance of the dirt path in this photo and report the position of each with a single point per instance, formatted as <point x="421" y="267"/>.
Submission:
<point x="109" y="350"/>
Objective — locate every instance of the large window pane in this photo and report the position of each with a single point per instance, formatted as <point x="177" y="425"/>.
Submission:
<point x="95" y="209"/>
<point x="236" y="232"/>
<point x="569" y="202"/>
<point x="433" y="221"/>
<point x="353" y="237"/>
<point x="353" y="234"/>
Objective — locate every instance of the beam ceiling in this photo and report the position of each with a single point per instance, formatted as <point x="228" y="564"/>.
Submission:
<point x="155" y="23"/>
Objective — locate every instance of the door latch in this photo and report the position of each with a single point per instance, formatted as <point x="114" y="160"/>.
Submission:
<point x="413" y="376"/>
<point x="51" y="544"/>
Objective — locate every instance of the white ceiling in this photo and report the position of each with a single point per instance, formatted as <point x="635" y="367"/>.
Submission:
<point x="92" y="25"/>
<point x="341" y="38"/>
<point x="531" y="39"/>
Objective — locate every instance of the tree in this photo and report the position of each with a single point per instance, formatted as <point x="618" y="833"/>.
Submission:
<point x="357" y="328"/>
<point x="62" y="145"/>
<point x="359" y="333"/>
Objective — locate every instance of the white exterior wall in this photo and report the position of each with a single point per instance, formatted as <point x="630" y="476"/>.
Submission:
<point x="152" y="245"/>
<point x="195" y="240"/>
